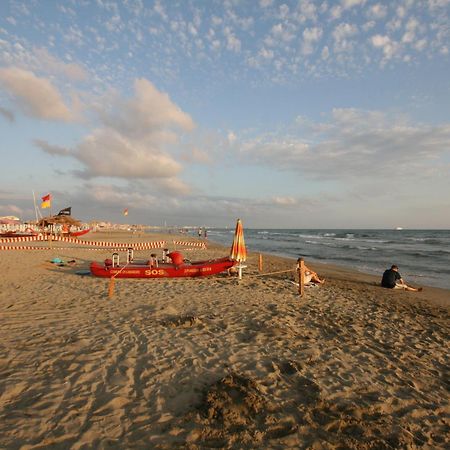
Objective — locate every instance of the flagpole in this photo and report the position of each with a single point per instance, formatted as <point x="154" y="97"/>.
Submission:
<point x="35" y="208"/>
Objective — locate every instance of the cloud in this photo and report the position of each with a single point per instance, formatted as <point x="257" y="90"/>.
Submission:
<point x="233" y="43"/>
<point x="149" y="115"/>
<point x="389" y="47"/>
<point x="347" y="4"/>
<point x="355" y="144"/>
<point x="133" y="140"/>
<point x="265" y="3"/>
<point x="50" y="64"/>
<point x="342" y="34"/>
<point x="7" y="114"/>
<point x="310" y="37"/>
<point x="285" y="201"/>
<point x="377" y="11"/>
<point x="107" y="153"/>
<point x="51" y="149"/>
<point x="197" y="156"/>
<point x="37" y="97"/>
<point x="11" y="209"/>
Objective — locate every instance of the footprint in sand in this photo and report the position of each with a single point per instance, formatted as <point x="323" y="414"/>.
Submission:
<point x="181" y="321"/>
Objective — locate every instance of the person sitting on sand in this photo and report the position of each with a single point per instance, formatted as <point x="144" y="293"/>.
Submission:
<point x="310" y="275"/>
<point x="393" y="280"/>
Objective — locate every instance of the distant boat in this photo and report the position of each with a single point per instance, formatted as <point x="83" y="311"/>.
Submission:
<point x="399" y="228"/>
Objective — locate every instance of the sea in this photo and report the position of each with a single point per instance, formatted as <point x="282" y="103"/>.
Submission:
<point x="423" y="256"/>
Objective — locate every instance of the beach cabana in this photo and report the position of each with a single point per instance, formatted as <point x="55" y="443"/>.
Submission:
<point x="59" y="220"/>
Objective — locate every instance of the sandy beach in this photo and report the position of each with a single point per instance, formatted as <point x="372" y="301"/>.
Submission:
<point x="216" y="362"/>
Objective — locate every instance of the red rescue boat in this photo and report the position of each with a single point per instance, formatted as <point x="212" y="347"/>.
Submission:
<point x="79" y="233"/>
<point x="163" y="270"/>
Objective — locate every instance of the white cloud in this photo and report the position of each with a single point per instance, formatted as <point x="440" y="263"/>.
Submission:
<point x="36" y="97"/>
<point x="336" y="12"/>
<point x="266" y="54"/>
<point x="265" y="3"/>
<point x="377" y="11"/>
<point x="11" y="209"/>
<point x="283" y="32"/>
<point x="285" y="201"/>
<point x="437" y="4"/>
<point x="308" y="10"/>
<point x="108" y="153"/>
<point x="410" y="34"/>
<point x="197" y="155"/>
<point x="233" y="43"/>
<point x="283" y="11"/>
<point x="310" y="37"/>
<point x="356" y="144"/>
<point x="134" y="139"/>
<point x="51" y="149"/>
<point x="159" y="9"/>
<point x="347" y="4"/>
<point x="150" y="114"/>
<point x="49" y="64"/>
<point x="231" y="137"/>
<point x="389" y="47"/>
<point x="342" y="34"/>
<point x="420" y="45"/>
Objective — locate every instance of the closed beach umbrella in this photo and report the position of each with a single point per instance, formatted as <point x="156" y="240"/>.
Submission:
<point x="238" y="250"/>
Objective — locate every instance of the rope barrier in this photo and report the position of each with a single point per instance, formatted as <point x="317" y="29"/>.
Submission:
<point x="23" y="239"/>
<point x="191" y="244"/>
<point x="271" y="273"/>
<point x="30" y="247"/>
<point x="104" y="244"/>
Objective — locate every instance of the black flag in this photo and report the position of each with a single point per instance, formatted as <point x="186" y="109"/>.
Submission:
<point x="65" y="211"/>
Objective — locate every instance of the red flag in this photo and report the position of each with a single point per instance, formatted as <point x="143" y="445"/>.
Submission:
<point x="125" y="212"/>
<point x="46" y="201"/>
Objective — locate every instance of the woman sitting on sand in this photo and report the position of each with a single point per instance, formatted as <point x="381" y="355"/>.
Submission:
<point x="310" y="275"/>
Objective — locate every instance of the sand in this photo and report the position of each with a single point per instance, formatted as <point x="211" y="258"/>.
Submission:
<point x="217" y="362"/>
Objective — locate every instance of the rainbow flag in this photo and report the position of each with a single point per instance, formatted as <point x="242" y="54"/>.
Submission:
<point x="46" y="201"/>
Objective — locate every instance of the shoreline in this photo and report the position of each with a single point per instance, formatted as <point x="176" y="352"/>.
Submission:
<point x="436" y="296"/>
<point x="420" y="254"/>
<point x="213" y="361"/>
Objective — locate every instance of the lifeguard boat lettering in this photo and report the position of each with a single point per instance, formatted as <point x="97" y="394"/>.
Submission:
<point x="154" y="272"/>
<point x="124" y="271"/>
<point x="197" y="269"/>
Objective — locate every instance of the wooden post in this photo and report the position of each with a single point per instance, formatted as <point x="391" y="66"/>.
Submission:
<point x="111" y="287"/>
<point x="301" y="276"/>
<point x="260" y="263"/>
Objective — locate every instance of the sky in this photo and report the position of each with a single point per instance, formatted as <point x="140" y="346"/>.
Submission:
<point x="286" y="114"/>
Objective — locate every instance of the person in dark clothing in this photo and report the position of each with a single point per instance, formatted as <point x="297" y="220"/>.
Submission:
<point x="393" y="280"/>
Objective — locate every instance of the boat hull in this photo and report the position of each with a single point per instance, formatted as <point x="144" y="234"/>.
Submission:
<point x="79" y="233"/>
<point x="195" y="269"/>
<point x="17" y="234"/>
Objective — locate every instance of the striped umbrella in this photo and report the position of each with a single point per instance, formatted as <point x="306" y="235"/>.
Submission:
<point x="238" y="250"/>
